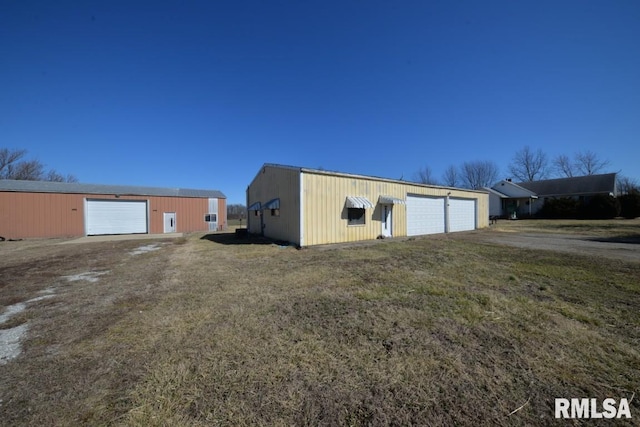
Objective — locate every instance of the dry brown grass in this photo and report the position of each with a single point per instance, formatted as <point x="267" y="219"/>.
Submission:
<point x="432" y="331"/>
<point x="607" y="228"/>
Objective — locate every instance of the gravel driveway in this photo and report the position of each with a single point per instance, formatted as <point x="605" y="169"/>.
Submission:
<point x="622" y="249"/>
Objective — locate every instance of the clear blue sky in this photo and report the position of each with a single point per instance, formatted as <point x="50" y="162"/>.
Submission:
<point x="201" y="94"/>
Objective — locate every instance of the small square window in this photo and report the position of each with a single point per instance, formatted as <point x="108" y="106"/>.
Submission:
<point x="210" y="217"/>
<point x="355" y="216"/>
<point x="275" y="212"/>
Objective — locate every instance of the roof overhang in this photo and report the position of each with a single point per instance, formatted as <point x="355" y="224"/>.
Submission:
<point x="272" y="204"/>
<point x="388" y="200"/>
<point x="254" y="207"/>
<point x="358" y="202"/>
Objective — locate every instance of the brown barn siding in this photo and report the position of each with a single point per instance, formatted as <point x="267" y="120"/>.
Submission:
<point x="189" y="213"/>
<point x="34" y="215"/>
<point x="25" y="215"/>
<point x="222" y="214"/>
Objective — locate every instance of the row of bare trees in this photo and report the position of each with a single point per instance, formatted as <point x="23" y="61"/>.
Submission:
<point x="472" y="175"/>
<point x="236" y="211"/>
<point x="534" y="165"/>
<point x="527" y="165"/>
<point x="14" y="165"/>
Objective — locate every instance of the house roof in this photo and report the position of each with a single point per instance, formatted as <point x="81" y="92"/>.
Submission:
<point x="511" y="190"/>
<point x="77" y="188"/>
<point x="497" y="193"/>
<point x="369" y="177"/>
<point x="574" y="186"/>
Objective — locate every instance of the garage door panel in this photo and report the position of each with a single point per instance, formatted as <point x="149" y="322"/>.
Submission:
<point x="425" y="215"/>
<point x="462" y="215"/>
<point x="116" y="217"/>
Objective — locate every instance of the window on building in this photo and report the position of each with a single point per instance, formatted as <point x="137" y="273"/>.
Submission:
<point x="355" y="216"/>
<point x="273" y="205"/>
<point x="210" y="217"/>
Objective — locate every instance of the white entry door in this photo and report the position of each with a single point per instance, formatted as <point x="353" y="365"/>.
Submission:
<point x="169" y="222"/>
<point x="387" y="217"/>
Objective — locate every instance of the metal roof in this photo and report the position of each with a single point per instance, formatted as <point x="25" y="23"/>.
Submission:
<point x="368" y="177"/>
<point x="577" y="185"/>
<point x="77" y="188"/>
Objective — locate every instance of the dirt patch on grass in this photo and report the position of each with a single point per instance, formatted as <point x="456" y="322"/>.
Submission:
<point x="65" y="361"/>
<point x="445" y="331"/>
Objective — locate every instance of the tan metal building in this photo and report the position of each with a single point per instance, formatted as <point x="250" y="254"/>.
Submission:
<point x="312" y="207"/>
<point x="38" y="209"/>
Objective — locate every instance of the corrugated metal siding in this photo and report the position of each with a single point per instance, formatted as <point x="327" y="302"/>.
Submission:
<point x="213" y="208"/>
<point x="325" y="213"/>
<point x="218" y="207"/>
<point x="271" y="183"/>
<point x="189" y="213"/>
<point x="222" y="214"/>
<point x="28" y="215"/>
<point x="325" y="219"/>
<point x="37" y="215"/>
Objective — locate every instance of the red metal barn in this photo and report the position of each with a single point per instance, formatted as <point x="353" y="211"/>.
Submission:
<point x="36" y="209"/>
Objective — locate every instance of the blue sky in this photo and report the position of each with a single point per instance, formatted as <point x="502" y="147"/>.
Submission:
<point x="201" y="94"/>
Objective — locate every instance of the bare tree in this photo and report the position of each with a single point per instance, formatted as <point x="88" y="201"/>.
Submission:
<point x="425" y="176"/>
<point x="8" y="160"/>
<point x="451" y="177"/>
<point x="563" y="166"/>
<point x="584" y="163"/>
<point x="54" y="176"/>
<point x="588" y="163"/>
<point x="236" y="211"/>
<point x="31" y="170"/>
<point x="626" y="185"/>
<point x="478" y="174"/>
<point x="12" y="166"/>
<point x="528" y="165"/>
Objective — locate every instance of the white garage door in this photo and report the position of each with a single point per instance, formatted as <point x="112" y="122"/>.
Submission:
<point x="116" y="217"/>
<point x="462" y="214"/>
<point x="425" y="215"/>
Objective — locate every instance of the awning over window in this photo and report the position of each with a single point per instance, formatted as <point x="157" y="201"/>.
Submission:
<point x="254" y="207"/>
<point x="388" y="200"/>
<point x="358" y="202"/>
<point x="272" y="204"/>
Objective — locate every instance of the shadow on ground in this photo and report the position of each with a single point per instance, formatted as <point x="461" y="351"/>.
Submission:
<point x="234" y="239"/>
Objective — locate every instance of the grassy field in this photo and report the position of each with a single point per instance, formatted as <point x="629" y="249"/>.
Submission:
<point x="233" y="223"/>
<point x="213" y="331"/>
<point x="609" y="228"/>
